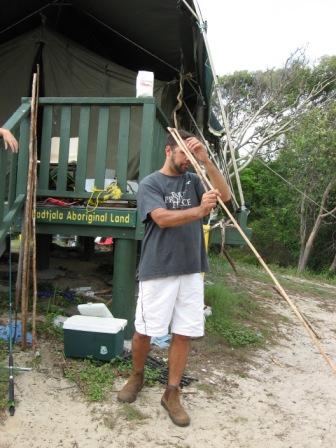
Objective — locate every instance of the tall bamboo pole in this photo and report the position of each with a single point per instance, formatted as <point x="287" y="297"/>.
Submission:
<point x="180" y="142"/>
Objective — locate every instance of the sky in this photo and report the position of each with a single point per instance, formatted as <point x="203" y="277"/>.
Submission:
<point x="260" y="34"/>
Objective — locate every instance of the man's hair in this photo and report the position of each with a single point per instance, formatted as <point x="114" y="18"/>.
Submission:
<point x="184" y="135"/>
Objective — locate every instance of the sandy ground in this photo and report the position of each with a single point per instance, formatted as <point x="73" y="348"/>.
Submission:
<point x="286" y="398"/>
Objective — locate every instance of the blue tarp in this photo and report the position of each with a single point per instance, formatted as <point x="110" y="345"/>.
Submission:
<point x="6" y="331"/>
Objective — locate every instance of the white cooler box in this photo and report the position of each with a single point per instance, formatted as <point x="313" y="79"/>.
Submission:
<point x="95" y="337"/>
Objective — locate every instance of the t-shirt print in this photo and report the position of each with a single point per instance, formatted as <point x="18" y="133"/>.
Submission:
<point x="176" y="200"/>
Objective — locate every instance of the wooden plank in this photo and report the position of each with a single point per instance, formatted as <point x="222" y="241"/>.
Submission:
<point x="101" y="153"/>
<point x="122" y="152"/>
<point x="19" y="114"/>
<point x="62" y="170"/>
<point x="146" y="152"/>
<point x="43" y="180"/>
<point x="147" y="140"/>
<point x="82" y="195"/>
<point x="84" y="122"/>
<point x="66" y="229"/>
<point x="22" y="173"/>
<point x="95" y="100"/>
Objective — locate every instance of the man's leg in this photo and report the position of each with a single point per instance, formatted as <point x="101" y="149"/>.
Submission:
<point x="178" y="354"/>
<point x="188" y="319"/>
<point x="140" y="349"/>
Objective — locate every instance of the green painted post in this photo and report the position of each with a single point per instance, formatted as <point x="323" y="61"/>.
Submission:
<point x="123" y="296"/>
<point x="146" y="151"/>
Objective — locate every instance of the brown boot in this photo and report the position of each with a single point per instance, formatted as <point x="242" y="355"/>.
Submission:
<point x="130" y="391"/>
<point x="171" y="402"/>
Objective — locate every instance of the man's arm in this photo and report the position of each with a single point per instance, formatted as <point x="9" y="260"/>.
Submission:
<point x="174" y="218"/>
<point x="216" y="178"/>
<point x="9" y="140"/>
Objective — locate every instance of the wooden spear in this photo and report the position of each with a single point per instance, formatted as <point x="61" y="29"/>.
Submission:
<point x="26" y="234"/>
<point x="180" y="142"/>
<point x="34" y="276"/>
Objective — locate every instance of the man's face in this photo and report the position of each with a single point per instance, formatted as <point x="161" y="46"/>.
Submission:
<point x="179" y="162"/>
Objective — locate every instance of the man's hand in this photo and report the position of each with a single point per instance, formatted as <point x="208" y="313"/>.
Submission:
<point x="209" y="201"/>
<point x="197" y="149"/>
<point x="9" y="140"/>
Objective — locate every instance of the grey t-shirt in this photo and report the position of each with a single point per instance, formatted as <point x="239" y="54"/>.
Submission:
<point x="173" y="250"/>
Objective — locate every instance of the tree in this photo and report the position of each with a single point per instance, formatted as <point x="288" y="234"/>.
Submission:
<point x="312" y="165"/>
<point x="262" y="107"/>
<point x="273" y="220"/>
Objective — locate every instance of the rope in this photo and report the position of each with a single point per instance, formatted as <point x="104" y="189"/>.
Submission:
<point x="112" y="191"/>
<point x="179" y="101"/>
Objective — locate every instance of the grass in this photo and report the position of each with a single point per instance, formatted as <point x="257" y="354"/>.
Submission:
<point x="95" y="379"/>
<point x="48" y="329"/>
<point x="250" y="262"/>
<point x="232" y="313"/>
<point x="288" y="277"/>
<point x="238" y="317"/>
<point x="132" y="413"/>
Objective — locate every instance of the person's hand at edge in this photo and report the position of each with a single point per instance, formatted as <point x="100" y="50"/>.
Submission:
<point x="9" y="140"/>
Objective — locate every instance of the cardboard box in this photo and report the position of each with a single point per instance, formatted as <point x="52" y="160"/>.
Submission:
<point x="95" y="337"/>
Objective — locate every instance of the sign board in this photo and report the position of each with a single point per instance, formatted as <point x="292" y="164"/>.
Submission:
<point x="107" y="217"/>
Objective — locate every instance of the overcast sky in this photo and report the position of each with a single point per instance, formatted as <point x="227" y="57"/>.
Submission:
<point x="261" y="34"/>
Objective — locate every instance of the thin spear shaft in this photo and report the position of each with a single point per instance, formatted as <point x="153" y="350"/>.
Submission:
<point x="35" y="103"/>
<point x="28" y="225"/>
<point x="180" y="142"/>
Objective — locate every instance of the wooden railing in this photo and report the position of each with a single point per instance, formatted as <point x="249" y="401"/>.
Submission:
<point x="105" y="130"/>
<point x="11" y="201"/>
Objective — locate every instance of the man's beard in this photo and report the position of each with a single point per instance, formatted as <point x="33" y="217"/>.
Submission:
<point x="181" y="168"/>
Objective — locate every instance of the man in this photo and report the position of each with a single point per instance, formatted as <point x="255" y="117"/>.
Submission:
<point x="172" y="203"/>
<point x="9" y="140"/>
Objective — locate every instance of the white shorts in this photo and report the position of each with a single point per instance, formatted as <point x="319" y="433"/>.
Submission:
<point x="177" y="301"/>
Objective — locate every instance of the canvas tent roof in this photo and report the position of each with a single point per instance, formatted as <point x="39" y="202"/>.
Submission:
<point x="164" y="28"/>
<point x="154" y="35"/>
<point x="92" y="22"/>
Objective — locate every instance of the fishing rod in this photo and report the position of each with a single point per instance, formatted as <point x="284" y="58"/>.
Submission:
<point x="11" y="398"/>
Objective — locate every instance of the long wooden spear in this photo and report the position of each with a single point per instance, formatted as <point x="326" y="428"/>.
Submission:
<point x="34" y="275"/>
<point x="180" y="142"/>
<point x="27" y="227"/>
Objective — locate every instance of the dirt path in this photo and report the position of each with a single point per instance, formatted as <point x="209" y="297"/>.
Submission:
<point x="287" y="398"/>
